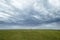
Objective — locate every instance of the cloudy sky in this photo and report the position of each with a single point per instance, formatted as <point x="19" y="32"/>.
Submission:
<point x="30" y="14"/>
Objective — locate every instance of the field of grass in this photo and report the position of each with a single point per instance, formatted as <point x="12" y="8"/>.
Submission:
<point x="29" y="34"/>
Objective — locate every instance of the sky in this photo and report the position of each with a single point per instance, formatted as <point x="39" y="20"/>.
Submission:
<point x="29" y="14"/>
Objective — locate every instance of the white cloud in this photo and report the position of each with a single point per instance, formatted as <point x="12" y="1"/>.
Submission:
<point x="21" y="4"/>
<point x="4" y="16"/>
<point x="55" y="3"/>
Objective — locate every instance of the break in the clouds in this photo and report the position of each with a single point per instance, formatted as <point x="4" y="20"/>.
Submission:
<point x="29" y="13"/>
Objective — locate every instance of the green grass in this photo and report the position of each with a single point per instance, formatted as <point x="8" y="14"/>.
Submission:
<point x="29" y="34"/>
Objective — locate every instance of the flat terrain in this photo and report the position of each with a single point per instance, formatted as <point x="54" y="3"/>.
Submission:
<point x="29" y="34"/>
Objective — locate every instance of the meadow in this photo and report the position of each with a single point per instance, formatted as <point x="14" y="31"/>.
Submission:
<point x="29" y="34"/>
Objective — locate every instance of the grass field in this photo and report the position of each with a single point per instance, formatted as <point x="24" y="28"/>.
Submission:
<point x="29" y="34"/>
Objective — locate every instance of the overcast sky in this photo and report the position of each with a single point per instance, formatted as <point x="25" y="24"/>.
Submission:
<point x="30" y="14"/>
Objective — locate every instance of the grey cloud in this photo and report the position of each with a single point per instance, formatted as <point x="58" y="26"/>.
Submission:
<point x="33" y="13"/>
